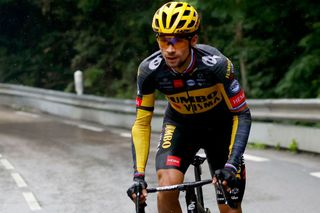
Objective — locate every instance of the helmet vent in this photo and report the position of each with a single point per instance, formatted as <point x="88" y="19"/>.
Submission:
<point x="195" y="14"/>
<point x="181" y="24"/>
<point x="157" y="23"/>
<point x="179" y="5"/>
<point x="164" y="19"/>
<point x="191" y="23"/>
<point x="186" y="13"/>
<point x="173" y="19"/>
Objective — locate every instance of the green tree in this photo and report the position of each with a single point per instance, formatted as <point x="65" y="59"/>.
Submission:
<point x="273" y="44"/>
<point x="302" y="78"/>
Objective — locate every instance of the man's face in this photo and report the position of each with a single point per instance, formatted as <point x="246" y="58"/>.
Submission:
<point x="175" y="50"/>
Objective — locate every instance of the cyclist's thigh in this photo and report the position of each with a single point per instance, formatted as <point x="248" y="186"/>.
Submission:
<point x="176" y="148"/>
<point x="217" y="151"/>
<point x="216" y="144"/>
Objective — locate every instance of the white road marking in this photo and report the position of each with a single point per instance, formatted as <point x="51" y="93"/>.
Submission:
<point x="125" y="134"/>
<point x="315" y="174"/>
<point x="19" y="180"/>
<point x="255" y="158"/>
<point x="28" y="114"/>
<point x="83" y="126"/>
<point x="7" y="164"/>
<point x="28" y="196"/>
<point x="70" y="122"/>
<point x="31" y="201"/>
<point x="92" y="128"/>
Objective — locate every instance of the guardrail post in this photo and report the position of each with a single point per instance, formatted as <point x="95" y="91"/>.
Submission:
<point x="78" y="82"/>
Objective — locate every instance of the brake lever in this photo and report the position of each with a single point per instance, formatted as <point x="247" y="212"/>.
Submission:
<point x="139" y="206"/>
<point x="226" y="195"/>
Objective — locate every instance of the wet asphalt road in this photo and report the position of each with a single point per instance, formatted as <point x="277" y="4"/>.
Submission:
<point x="49" y="164"/>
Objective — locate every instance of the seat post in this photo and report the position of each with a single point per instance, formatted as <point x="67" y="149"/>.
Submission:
<point x="197" y="161"/>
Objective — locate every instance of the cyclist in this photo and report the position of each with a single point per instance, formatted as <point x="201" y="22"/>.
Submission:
<point x="206" y="109"/>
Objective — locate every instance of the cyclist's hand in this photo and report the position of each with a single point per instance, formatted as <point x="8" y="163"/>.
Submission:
<point x="139" y="182"/>
<point x="226" y="176"/>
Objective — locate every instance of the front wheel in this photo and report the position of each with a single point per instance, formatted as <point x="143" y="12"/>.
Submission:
<point x="202" y="210"/>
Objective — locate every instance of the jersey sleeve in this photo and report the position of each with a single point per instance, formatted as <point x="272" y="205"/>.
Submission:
<point x="235" y="99"/>
<point x="141" y="129"/>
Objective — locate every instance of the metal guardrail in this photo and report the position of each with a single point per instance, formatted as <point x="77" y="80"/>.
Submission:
<point x="265" y="109"/>
<point x="121" y="113"/>
<point x="286" y="109"/>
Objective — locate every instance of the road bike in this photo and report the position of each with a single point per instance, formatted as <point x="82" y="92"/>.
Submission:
<point x="193" y="191"/>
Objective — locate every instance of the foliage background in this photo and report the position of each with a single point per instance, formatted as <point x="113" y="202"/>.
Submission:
<point x="275" y="45"/>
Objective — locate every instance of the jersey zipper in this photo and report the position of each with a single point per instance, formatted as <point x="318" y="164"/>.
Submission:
<point x="187" y="92"/>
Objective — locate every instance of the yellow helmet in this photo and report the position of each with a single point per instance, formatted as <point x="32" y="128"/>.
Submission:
<point x="176" y="18"/>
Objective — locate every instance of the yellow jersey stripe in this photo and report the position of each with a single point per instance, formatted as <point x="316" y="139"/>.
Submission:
<point x="234" y="132"/>
<point x="225" y="96"/>
<point x="148" y="100"/>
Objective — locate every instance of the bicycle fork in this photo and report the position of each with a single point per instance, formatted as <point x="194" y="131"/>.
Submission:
<point x="191" y="200"/>
<point x="195" y="201"/>
<point x="193" y="205"/>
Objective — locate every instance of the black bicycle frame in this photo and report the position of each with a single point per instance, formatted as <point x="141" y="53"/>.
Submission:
<point x="198" y="160"/>
<point x="193" y="205"/>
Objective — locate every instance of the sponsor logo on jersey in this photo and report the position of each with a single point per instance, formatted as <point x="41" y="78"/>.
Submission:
<point x="191" y="83"/>
<point x="167" y="137"/>
<point x="238" y="99"/>
<point x="177" y="83"/>
<point x="195" y="101"/>
<point x="210" y="60"/>
<point x="173" y="161"/>
<point x="234" y="87"/>
<point x="230" y="71"/>
<point x="165" y="83"/>
<point x="202" y="81"/>
<point x="200" y="76"/>
<point x="154" y="64"/>
<point x="138" y="101"/>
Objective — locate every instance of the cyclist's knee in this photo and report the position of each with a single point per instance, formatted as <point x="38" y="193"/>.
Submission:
<point x="169" y="177"/>
<point x="226" y="209"/>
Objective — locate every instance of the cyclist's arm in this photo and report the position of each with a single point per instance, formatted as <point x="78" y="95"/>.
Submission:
<point x="141" y="132"/>
<point x="141" y="129"/>
<point x="236" y="101"/>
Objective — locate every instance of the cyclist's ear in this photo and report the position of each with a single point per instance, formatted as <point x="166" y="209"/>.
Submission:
<point x="194" y="40"/>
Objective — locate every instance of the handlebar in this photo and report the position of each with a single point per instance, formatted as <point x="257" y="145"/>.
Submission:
<point x="180" y="187"/>
<point x="183" y="187"/>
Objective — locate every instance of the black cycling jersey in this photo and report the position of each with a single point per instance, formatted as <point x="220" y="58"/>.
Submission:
<point x="206" y="94"/>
